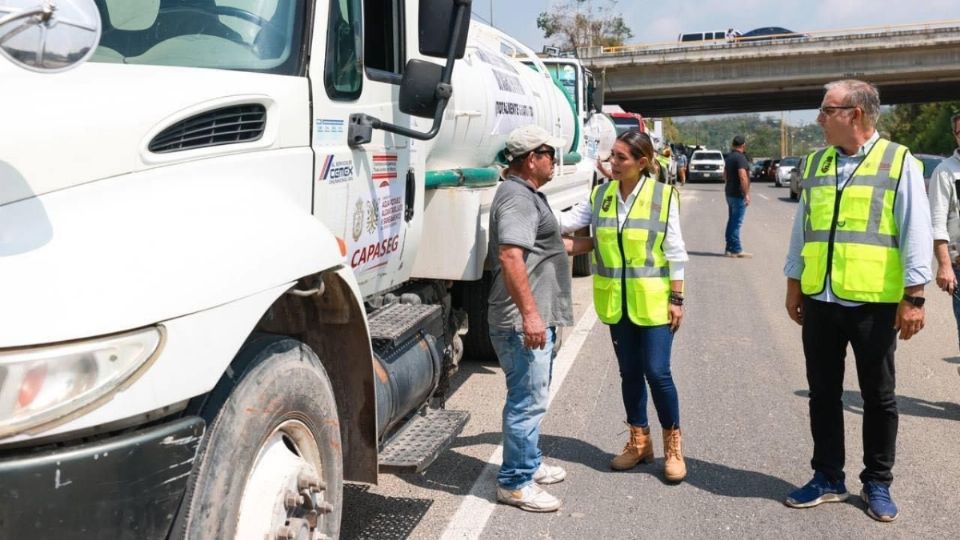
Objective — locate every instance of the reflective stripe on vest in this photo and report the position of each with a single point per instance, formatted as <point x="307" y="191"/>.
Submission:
<point x="851" y="234"/>
<point x="646" y="275"/>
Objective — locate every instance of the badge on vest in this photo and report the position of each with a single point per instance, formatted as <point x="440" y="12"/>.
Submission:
<point x="826" y="164"/>
<point x="606" y="202"/>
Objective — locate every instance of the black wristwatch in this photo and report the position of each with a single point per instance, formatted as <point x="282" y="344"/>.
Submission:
<point x="916" y="301"/>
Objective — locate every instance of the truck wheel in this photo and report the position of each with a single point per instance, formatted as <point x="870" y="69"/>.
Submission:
<point x="270" y="465"/>
<point x="473" y="299"/>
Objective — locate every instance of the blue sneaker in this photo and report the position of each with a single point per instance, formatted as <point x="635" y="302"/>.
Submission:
<point x="817" y="491"/>
<point x="880" y="505"/>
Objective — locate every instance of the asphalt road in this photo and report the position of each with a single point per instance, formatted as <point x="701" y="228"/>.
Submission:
<point x="738" y="365"/>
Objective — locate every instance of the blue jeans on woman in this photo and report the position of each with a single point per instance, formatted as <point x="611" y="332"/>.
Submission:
<point x="528" y="373"/>
<point x="643" y="353"/>
<point x="736" y="209"/>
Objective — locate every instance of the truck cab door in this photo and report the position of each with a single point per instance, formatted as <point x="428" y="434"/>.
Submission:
<point x="370" y="196"/>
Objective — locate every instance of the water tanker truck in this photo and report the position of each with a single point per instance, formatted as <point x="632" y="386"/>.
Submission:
<point x="242" y="250"/>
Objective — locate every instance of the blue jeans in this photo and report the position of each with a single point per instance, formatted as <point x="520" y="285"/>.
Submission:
<point x="528" y="373"/>
<point x="736" y="209"/>
<point x="643" y="353"/>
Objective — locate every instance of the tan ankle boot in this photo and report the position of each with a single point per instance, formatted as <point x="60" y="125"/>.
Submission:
<point x="638" y="449"/>
<point x="674" y="469"/>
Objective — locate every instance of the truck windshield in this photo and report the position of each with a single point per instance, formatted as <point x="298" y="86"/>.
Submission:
<point x="248" y="35"/>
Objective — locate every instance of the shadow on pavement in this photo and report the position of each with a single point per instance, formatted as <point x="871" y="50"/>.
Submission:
<point x="710" y="477"/>
<point x="946" y="410"/>
<point x="378" y="517"/>
<point x="952" y="359"/>
<point x="705" y="254"/>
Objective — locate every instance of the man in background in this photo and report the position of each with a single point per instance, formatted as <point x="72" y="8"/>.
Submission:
<point x="737" y="188"/>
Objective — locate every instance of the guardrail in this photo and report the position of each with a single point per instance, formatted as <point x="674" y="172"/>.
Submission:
<point x="773" y="39"/>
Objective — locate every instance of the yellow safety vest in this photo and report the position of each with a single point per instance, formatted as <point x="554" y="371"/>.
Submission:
<point x="850" y="234"/>
<point x="631" y="258"/>
<point x="664" y="169"/>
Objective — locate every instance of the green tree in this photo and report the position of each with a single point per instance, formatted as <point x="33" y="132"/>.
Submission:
<point x="924" y="128"/>
<point x="582" y="23"/>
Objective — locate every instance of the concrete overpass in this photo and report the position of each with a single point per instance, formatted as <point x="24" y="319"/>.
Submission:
<point x="909" y="64"/>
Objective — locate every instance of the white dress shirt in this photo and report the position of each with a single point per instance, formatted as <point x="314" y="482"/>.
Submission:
<point x="944" y="212"/>
<point x="674" y="249"/>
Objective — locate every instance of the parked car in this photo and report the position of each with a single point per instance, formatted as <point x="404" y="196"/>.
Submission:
<point x="930" y="162"/>
<point x="794" y="183"/>
<point x="787" y="164"/>
<point x="769" y="33"/>
<point x="758" y="167"/>
<point x="705" y="165"/>
<point x="769" y="173"/>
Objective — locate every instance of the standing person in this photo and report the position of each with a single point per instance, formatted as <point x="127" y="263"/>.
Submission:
<point x="682" y="168"/>
<point x="737" y="189"/>
<point x="638" y="254"/>
<point x="945" y="215"/>
<point x="529" y="299"/>
<point x="858" y="260"/>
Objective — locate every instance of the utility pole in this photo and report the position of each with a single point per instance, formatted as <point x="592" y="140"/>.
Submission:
<point x="491" y="14"/>
<point x="783" y="136"/>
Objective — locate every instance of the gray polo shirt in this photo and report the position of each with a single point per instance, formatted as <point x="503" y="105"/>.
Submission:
<point x="520" y="216"/>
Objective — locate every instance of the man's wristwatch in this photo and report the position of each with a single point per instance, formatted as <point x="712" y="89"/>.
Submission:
<point x="916" y="301"/>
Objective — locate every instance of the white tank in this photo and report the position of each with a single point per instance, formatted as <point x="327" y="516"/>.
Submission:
<point x="492" y="94"/>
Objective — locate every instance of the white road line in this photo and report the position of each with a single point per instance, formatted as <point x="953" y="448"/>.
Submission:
<point x="475" y="510"/>
<point x="764" y="196"/>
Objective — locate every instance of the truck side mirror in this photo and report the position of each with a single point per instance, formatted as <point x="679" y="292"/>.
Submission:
<point x="53" y="36"/>
<point x="425" y="88"/>
<point x="418" y="88"/>
<point x="438" y="19"/>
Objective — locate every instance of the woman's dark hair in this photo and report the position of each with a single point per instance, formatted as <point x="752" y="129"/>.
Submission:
<point x="640" y="146"/>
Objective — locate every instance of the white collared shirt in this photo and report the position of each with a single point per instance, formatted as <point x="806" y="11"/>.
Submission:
<point x="674" y="249"/>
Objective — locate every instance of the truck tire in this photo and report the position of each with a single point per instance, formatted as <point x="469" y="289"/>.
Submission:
<point x="270" y="464"/>
<point x="473" y="299"/>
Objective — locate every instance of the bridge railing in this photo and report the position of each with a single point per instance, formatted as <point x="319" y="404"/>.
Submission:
<point x="773" y="39"/>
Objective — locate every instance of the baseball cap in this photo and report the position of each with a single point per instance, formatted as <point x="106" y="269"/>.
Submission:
<point x="528" y="138"/>
<point x="739" y="140"/>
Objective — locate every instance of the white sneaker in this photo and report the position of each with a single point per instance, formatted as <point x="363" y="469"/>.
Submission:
<point x="549" y="474"/>
<point x="530" y="497"/>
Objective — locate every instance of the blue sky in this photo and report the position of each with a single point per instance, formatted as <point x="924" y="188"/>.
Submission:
<point x="663" y="21"/>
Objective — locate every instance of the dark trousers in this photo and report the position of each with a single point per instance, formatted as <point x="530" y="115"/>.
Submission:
<point x="827" y="329"/>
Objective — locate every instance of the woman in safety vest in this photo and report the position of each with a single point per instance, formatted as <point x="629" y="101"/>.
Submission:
<point x="637" y="261"/>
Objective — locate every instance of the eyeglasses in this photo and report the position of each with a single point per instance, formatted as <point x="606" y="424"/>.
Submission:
<point x="546" y="152"/>
<point x="829" y="110"/>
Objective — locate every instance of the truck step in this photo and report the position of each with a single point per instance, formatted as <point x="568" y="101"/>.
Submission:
<point x="420" y="442"/>
<point x="398" y="322"/>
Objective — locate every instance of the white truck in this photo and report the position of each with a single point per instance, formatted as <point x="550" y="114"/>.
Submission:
<point x="238" y="249"/>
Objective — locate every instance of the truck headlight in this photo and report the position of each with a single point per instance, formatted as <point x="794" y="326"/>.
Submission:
<point x="42" y="384"/>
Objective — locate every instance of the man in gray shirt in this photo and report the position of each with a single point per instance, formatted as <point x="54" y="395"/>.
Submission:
<point x="529" y="299"/>
<point x="858" y="260"/>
